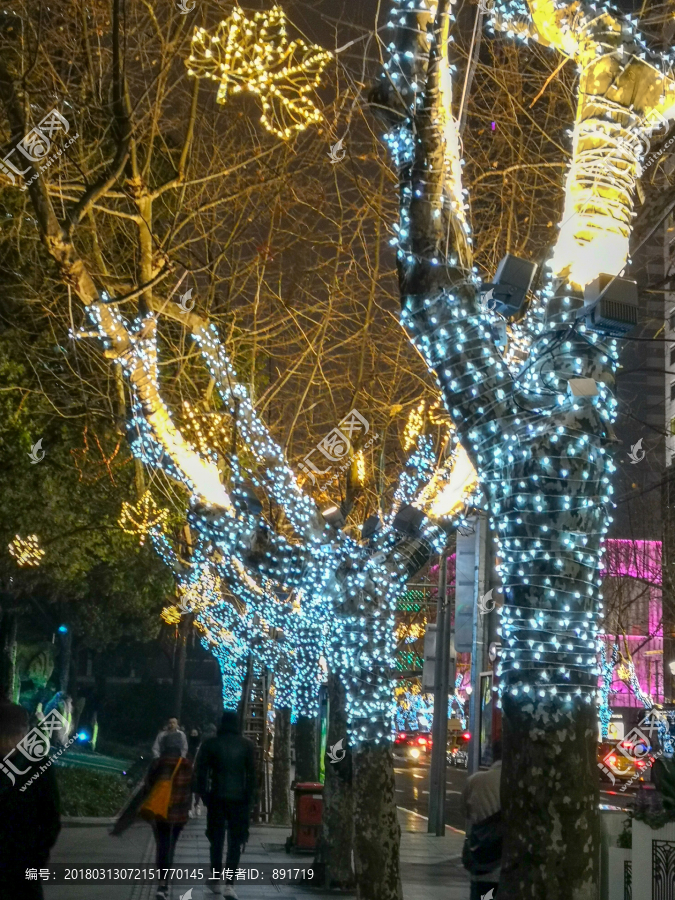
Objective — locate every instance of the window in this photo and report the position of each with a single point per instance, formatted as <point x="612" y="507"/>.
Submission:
<point x="672" y="355"/>
<point x="672" y="390"/>
<point x="671" y="320"/>
<point x="672" y="426"/>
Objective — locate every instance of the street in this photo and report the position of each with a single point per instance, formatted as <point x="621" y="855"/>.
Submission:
<point x="412" y="792"/>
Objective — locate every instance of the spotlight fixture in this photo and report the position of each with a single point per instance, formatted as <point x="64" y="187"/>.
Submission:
<point x="333" y="515"/>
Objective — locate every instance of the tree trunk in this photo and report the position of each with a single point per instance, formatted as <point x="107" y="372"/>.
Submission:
<point x="306" y="754"/>
<point x="549" y="781"/>
<point x="179" y="665"/>
<point x="7" y="656"/>
<point x="281" y="770"/>
<point x="377" y="834"/>
<point x="336" y="841"/>
<point x="65" y="660"/>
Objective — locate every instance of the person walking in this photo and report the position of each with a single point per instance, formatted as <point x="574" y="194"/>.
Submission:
<point x="194" y="742"/>
<point x="482" y="851"/>
<point x="169" y="739"/>
<point x="225" y="779"/>
<point x="29" y="818"/>
<point x="178" y="771"/>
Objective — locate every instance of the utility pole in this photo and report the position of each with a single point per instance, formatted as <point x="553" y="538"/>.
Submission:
<point x="439" y="733"/>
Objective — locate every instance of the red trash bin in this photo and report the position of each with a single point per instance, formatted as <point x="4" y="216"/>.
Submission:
<point x="306" y="817"/>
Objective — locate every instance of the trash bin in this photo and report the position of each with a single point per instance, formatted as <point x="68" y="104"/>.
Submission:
<point x="306" y="817"/>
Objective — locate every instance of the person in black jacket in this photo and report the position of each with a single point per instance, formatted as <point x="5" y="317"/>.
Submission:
<point x="29" y="810"/>
<point x="225" y="780"/>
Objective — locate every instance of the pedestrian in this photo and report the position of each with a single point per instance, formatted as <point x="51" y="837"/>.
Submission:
<point x="482" y="851"/>
<point x="29" y="819"/>
<point x="169" y="739"/>
<point x="175" y="802"/>
<point x="225" y="780"/>
<point x="194" y="740"/>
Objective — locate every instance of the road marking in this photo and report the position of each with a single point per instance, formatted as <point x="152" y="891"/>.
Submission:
<point x="417" y="776"/>
<point x="452" y="792"/>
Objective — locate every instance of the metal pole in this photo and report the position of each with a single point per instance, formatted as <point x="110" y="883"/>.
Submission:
<point x="477" y="643"/>
<point x="436" y="823"/>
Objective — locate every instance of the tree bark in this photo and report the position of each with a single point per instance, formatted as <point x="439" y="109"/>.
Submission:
<point x="281" y="770"/>
<point x="306" y="754"/>
<point x="179" y="666"/>
<point x="377" y="834"/>
<point x="549" y="781"/>
<point x="7" y="655"/>
<point x="336" y="841"/>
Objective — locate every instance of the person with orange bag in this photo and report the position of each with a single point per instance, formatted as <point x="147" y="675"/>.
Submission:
<point x="167" y="806"/>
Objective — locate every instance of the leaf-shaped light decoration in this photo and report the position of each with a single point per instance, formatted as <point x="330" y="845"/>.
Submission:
<point x="143" y="518"/>
<point x="255" y="55"/>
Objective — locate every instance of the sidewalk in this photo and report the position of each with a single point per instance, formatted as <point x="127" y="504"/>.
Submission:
<point x="430" y="867"/>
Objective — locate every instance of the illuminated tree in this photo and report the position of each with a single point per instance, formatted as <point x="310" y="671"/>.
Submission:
<point x="542" y="451"/>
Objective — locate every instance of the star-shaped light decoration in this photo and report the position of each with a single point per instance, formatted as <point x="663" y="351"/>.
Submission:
<point x="255" y="55"/>
<point x="26" y="551"/>
<point x="143" y="518"/>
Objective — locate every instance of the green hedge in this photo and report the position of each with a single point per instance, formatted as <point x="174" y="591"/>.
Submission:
<point x="86" y="793"/>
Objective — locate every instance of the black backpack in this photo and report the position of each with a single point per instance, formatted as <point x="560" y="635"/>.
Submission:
<point x="482" y="851"/>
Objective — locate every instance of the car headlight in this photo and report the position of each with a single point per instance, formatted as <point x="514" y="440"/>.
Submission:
<point x="415" y="753"/>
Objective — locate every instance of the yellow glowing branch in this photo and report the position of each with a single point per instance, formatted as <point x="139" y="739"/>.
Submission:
<point x="446" y="492"/>
<point x="414" y="426"/>
<point x="255" y="55"/>
<point x="621" y="99"/>
<point x="26" y="551"/>
<point x="360" y="465"/>
<point x="142" y="518"/>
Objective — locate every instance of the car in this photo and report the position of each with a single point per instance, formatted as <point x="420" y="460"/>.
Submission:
<point x="458" y="753"/>
<point x="413" y="746"/>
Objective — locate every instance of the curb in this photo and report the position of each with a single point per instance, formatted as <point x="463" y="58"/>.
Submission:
<point x="86" y="821"/>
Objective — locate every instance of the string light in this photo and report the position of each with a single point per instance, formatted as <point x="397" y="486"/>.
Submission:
<point x="142" y="518"/>
<point x="26" y="551"/>
<point x="255" y="55"/>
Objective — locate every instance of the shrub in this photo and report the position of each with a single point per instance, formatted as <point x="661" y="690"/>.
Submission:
<point x="87" y="793"/>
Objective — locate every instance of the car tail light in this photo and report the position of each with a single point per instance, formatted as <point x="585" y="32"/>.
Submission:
<point x="466" y="736"/>
<point x="421" y="740"/>
<point x="401" y="736"/>
<point x="612" y="759"/>
<point x="639" y="764"/>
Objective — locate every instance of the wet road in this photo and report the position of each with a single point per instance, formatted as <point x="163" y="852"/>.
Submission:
<point x="412" y="791"/>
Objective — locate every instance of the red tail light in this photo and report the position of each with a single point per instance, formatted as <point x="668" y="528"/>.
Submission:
<point x="466" y="735"/>
<point x="421" y="740"/>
